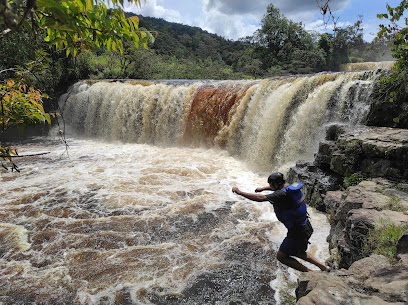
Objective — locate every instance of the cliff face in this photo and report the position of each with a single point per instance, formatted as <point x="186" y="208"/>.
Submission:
<point x="353" y="155"/>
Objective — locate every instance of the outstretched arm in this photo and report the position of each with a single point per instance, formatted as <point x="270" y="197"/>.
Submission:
<point x="263" y="188"/>
<point x="250" y="196"/>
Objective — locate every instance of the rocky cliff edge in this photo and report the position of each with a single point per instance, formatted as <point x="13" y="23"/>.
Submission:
<point x="360" y="179"/>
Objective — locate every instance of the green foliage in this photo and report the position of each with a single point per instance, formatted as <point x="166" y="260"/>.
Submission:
<point x="392" y="88"/>
<point x="146" y="64"/>
<point x="21" y="105"/>
<point x="383" y="241"/>
<point x="397" y="35"/>
<point x="191" y="45"/>
<point x="74" y="25"/>
<point x="353" y="179"/>
<point x="286" y="44"/>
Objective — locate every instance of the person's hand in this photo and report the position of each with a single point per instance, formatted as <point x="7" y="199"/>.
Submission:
<point x="258" y="189"/>
<point x="235" y="190"/>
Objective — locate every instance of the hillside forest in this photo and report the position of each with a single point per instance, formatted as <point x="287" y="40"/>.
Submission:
<point x="185" y="52"/>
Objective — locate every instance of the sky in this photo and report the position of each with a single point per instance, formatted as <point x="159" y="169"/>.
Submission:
<point x="234" y="19"/>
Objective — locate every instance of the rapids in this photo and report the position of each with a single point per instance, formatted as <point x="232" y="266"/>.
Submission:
<point x="141" y="210"/>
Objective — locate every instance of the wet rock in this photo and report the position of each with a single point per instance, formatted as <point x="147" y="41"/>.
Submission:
<point x="244" y="281"/>
<point x="382" y="111"/>
<point x="332" y="201"/>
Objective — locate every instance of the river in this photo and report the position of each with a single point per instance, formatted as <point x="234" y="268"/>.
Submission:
<point x="139" y="210"/>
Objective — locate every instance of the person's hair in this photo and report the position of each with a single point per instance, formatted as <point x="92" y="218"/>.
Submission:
<point x="276" y="178"/>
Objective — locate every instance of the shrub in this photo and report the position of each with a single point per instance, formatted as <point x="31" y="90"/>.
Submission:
<point x="353" y="179"/>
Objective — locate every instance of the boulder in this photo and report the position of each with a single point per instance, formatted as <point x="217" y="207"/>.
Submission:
<point x="376" y="152"/>
<point x="366" y="267"/>
<point x="372" y="280"/>
<point x="377" y="274"/>
<point x="320" y="288"/>
<point x="361" y="221"/>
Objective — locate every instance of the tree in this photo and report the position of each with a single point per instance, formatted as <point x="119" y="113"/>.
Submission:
<point x="74" y="25"/>
<point x="69" y="25"/>
<point x="398" y="38"/>
<point x="284" y="43"/>
<point x="397" y="35"/>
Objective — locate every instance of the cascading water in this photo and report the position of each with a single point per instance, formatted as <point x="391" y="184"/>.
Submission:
<point x="269" y="124"/>
<point x="142" y="210"/>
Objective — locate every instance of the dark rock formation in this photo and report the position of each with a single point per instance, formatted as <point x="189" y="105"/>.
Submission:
<point x="382" y="111"/>
<point x="402" y="246"/>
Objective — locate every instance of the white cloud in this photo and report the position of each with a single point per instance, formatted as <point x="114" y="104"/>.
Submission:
<point x="152" y="9"/>
<point x="240" y="18"/>
<point x="230" y="18"/>
<point x="237" y="7"/>
<point x="234" y="19"/>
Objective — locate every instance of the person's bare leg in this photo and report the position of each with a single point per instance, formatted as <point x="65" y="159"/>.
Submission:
<point x="311" y="259"/>
<point x="291" y="262"/>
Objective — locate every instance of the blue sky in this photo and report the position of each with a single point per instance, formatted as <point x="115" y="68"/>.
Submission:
<point x="234" y="19"/>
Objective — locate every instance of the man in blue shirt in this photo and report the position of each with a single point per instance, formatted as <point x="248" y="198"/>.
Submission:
<point x="290" y="208"/>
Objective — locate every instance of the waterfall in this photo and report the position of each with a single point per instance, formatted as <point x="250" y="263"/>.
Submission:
<point x="364" y="66"/>
<point x="267" y="123"/>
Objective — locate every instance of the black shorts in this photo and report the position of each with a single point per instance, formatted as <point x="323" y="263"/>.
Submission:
<point x="297" y="240"/>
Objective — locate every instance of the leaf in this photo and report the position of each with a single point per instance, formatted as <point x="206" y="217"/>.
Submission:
<point x="135" y="39"/>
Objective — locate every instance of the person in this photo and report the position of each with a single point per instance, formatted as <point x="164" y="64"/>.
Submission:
<point x="290" y="208"/>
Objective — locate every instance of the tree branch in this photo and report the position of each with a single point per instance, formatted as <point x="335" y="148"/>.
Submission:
<point x="22" y="156"/>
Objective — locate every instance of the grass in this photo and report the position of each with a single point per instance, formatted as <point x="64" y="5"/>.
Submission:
<point x="394" y="204"/>
<point x="383" y="241"/>
<point x="353" y="179"/>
